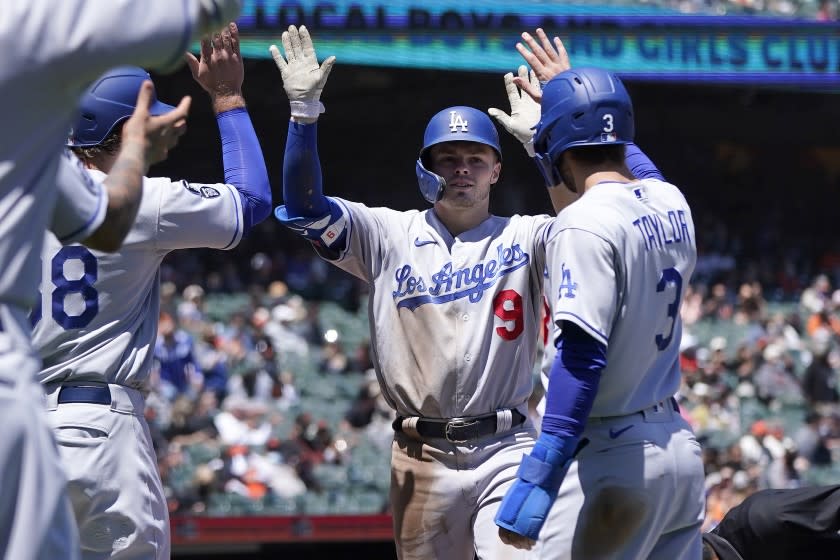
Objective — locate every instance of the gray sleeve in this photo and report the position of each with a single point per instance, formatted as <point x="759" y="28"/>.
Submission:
<point x="81" y="203"/>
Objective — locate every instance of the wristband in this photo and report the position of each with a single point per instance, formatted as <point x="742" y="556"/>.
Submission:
<point x="306" y="109"/>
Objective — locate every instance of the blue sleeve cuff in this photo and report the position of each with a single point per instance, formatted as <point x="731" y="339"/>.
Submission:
<point x="639" y="164"/>
<point x="244" y="165"/>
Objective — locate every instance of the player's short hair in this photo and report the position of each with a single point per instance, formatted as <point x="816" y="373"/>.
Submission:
<point x="598" y="155"/>
<point x="109" y="146"/>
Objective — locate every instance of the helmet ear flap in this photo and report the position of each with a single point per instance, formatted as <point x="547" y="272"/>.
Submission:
<point x="431" y="184"/>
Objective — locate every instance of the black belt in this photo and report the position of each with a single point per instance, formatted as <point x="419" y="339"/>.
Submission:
<point x="90" y="394"/>
<point x="459" y="430"/>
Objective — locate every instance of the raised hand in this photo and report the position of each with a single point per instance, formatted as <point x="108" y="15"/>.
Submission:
<point x="220" y="71"/>
<point x="303" y="78"/>
<point x="524" y="109"/>
<point x="545" y="59"/>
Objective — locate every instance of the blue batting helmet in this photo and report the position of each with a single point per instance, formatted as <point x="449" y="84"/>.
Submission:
<point x="109" y="101"/>
<point x="458" y="123"/>
<point x="583" y="107"/>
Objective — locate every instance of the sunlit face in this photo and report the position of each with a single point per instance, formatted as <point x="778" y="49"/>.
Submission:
<point x="469" y="168"/>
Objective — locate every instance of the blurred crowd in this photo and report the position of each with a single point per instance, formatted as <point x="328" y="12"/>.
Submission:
<point x="822" y="10"/>
<point x="760" y="388"/>
<point x="264" y="399"/>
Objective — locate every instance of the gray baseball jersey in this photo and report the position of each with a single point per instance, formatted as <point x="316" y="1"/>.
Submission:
<point x="51" y="52"/>
<point x="452" y="318"/>
<point x="454" y="329"/>
<point x="620" y="256"/>
<point x="618" y="259"/>
<point x="97" y="319"/>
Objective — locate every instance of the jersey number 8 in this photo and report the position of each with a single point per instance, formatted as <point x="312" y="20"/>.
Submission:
<point x="84" y="286"/>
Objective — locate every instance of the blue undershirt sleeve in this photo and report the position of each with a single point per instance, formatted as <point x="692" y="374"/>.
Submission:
<point x="573" y="382"/>
<point x="641" y="165"/>
<point x="244" y="165"/>
<point x="302" y="190"/>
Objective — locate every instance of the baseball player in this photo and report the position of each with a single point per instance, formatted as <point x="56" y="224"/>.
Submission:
<point x="627" y="466"/>
<point x="454" y="314"/>
<point x="454" y="310"/>
<point x="51" y="51"/>
<point x="548" y="59"/>
<point x="97" y="322"/>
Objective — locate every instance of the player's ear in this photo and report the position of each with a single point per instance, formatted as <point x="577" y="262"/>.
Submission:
<point x="497" y="170"/>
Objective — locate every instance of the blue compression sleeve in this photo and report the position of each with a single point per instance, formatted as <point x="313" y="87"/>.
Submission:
<point x="573" y="382"/>
<point x="302" y="190"/>
<point x="641" y="165"/>
<point x="244" y="165"/>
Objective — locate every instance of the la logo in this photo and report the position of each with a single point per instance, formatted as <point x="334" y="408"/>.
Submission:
<point x="566" y="283"/>
<point x="455" y="120"/>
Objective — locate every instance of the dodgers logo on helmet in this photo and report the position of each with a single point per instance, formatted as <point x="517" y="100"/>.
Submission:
<point x="583" y="107"/>
<point x="109" y="101"/>
<point x="459" y="123"/>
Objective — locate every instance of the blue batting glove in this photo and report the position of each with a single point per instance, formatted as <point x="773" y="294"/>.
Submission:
<point x="328" y="230"/>
<point x="528" y="501"/>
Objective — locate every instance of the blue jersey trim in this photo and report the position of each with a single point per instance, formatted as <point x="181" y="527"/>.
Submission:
<point x="89" y="222"/>
<point x="238" y="203"/>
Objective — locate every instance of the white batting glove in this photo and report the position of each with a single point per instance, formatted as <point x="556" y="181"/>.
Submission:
<point x="524" y="111"/>
<point x="216" y="14"/>
<point x="303" y="79"/>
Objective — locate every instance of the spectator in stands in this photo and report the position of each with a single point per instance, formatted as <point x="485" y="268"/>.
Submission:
<point x="815" y="296"/>
<point x="750" y="304"/>
<point x="179" y="371"/>
<point x="775" y="378"/>
<point x="784" y="470"/>
<point x="213" y="361"/>
<point x="811" y="442"/>
<point x="361" y="360"/>
<point x="819" y="383"/>
<point x="718" y="305"/>
<point x="364" y="406"/>
<point x="192" y="422"/>
<point x="191" y="308"/>
<point x="333" y="359"/>
<point x="244" y="422"/>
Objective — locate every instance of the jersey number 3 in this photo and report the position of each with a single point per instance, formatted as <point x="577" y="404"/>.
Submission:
<point x="63" y="287"/>
<point x="669" y="276"/>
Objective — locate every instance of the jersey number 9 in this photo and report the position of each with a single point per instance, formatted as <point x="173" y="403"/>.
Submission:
<point x="63" y="287"/>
